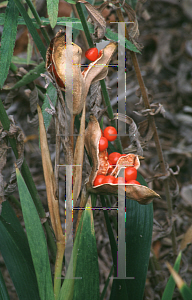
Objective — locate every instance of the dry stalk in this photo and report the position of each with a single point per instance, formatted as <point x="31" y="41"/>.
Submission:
<point x="156" y="137"/>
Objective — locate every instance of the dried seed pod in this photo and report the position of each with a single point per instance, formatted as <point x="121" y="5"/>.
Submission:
<point x="130" y="160"/>
<point x="140" y="193"/>
<point x="63" y="61"/>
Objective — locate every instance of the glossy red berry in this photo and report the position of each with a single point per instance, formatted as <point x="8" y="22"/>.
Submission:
<point x="133" y="182"/>
<point x="103" y="144"/>
<point x="108" y="179"/>
<point x="91" y="54"/>
<point x="110" y="133"/>
<point x="100" y="53"/>
<point x="130" y="173"/>
<point x="113" y="157"/>
<point x="119" y="180"/>
<point x="98" y="180"/>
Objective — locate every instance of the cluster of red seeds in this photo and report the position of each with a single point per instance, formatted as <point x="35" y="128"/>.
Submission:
<point x="130" y="173"/>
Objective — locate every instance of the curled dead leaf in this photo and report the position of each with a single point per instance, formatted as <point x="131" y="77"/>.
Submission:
<point x="140" y="193"/>
<point x="97" y="19"/>
<point x="133" y="28"/>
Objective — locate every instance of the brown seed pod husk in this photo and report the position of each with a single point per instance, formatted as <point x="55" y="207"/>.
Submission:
<point x="63" y="61"/>
<point x="140" y="193"/>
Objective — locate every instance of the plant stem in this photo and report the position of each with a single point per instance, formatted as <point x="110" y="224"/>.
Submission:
<point x="57" y="157"/>
<point x="110" y="113"/>
<point x="156" y="137"/>
<point x="84" y="24"/>
<point x="29" y="181"/>
<point x="102" y="82"/>
<point x="82" y="33"/>
<point x="13" y="68"/>
<point x="12" y="199"/>
<point x="38" y="19"/>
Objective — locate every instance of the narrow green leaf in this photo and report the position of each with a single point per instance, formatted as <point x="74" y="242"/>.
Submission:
<point x="119" y="285"/>
<point x="30" y="76"/>
<point x="29" y="182"/>
<point x="114" y="37"/>
<point x="112" y="240"/>
<point x="191" y="286"/>
<point x="31" y="29"/>
<point x="71" y="1"/>
<point x="37" y="241"/>
<point x="3" y="290"/>
<point x="52" y="8"/>
<point x="133" y="3"/>
<point x="16" y="254"/>
<point x="61" y="21"/>
<point x="10" y="217"/>
<point x="106" y="284"/>
<point x="139" y="226"/>
<point x="170" y="286"/>
<point x="52" y="95"/>
<point x="22" y="61"/>
<point x="76" y="31"/>
<point x="8" y="39"/>
<point x="87" y="261"/>
<point x="67" y="288"/>
<point x="186" y="292"/>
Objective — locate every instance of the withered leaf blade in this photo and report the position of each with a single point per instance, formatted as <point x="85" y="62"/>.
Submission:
<point x="187" y="239"/>
<point x="92" y="137"/>
<point x="97" y="18"/>
<point x="133" y="131"/>
<point x="3" y="160"/>
<point x="133" y="28"/>
<point x="53" y="203"/>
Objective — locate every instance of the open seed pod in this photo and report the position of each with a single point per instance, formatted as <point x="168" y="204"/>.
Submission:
<point x="140" y="193"/>
<point x="63" y="62"/>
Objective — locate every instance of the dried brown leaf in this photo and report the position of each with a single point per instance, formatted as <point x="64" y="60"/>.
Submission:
<point x="133" y="131"/>
<point x="3" y="159"/>
<point x="53" y="202"/>
<point x="133" y="28"/>
<point x="92" y="137"/>
<point x="187" y="239"/>
<point x="179" y="281"/>
<point x="97" y="19"/>
<point x="16" y="133"/>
